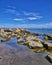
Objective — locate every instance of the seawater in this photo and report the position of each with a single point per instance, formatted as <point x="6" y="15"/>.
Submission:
<point x="40" y="31"/>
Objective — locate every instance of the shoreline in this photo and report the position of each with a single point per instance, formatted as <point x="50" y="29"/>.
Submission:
<point x="26" y="38"/>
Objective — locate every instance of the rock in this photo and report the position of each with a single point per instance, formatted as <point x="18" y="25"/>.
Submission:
<point x="49" y="57"/>
<point x="18" y="36"/>
<point x="48" y="37"/>
<point x="20" y="41"/>
<point x="1" y="30"/>
<point x="26" y="43"/>
<point x="25" y="31"/>
<point x="35" y="44"/>
<point x="45" y="37"/>
<point x="33" y="38"/>
<point x="47" y="45"/>
<point x="35" y="34"/>
<point x="39" y="50"/>
<point x="18" y="30"/>
<point x="4" y="40"/>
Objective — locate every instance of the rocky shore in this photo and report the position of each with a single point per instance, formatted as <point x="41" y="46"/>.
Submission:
<point x="26" y="38"/>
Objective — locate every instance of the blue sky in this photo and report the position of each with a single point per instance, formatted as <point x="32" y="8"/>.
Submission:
<point x="26" y="13"/>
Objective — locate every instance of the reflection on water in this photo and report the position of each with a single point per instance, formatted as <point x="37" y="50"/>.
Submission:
<point x="14" y="43"/>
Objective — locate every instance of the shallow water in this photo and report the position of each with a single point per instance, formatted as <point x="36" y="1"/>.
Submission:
<point x="14" y="43"/>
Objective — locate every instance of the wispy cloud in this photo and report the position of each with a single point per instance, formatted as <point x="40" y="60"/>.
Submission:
<point x="30" y="13"/>
<point x="46" y="25"/>
<point x="10" y="11"/>
<point x="32" y="18"/>
<point x="18" y="19"/>
<point x="11" y="7"/>
<point x="23" y="15"/>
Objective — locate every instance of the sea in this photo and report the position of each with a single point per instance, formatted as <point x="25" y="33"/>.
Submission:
<point x="40" y="31"/>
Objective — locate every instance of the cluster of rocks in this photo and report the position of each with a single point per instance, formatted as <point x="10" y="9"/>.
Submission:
<point x="24" y="37"/>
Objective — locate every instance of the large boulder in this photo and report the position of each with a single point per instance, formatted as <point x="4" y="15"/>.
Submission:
<point x="35" y="44"/>
<point x="33" y="38"/>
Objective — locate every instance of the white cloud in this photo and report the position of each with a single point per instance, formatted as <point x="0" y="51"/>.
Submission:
<point x="30" y="13"/>
<point x="10" y="11"/>
<point x="18" y="19"/>
<point x="32" y="18"/>
<point x="26" y="15"/>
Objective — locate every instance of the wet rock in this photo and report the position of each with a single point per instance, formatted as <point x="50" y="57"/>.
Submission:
<point x="18" y="36"/>
<point x="35" y="44"/>
<point x="33" y="38"/>
<point x="49" y="57"/>
<point x="48" y="37"/>
<point x="20" y="41"/>
<point x="35" y="34"/>
<point x="5" y="39"/>
<point x="37" y="50"/>
<point x="47" y="45"/>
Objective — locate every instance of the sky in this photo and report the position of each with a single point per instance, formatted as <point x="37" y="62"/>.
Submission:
<point x="26" y="13"/>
